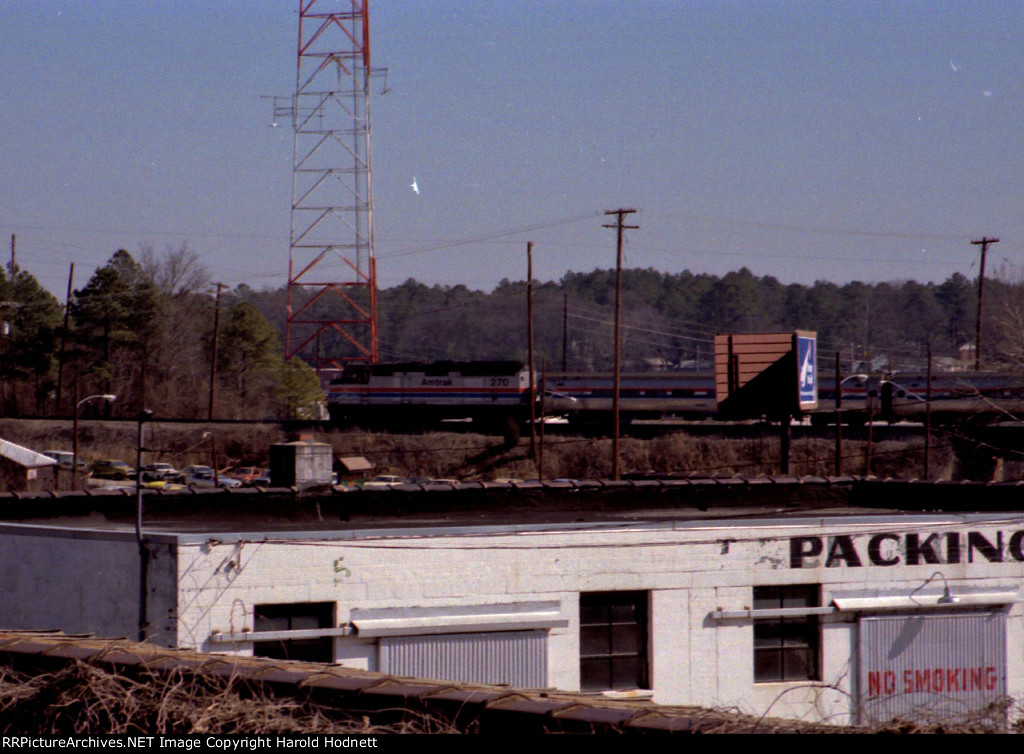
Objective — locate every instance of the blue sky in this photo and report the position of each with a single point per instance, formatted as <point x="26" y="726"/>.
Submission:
<point x="806" y="140"/>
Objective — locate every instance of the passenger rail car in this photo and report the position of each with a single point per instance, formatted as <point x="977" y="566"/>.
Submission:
<point x="966" y="396"/>
<point x="589" y="398"/>
<point x="495" y="395"/>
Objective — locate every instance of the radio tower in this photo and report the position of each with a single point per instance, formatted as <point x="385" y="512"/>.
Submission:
<point x="332" y="286"/>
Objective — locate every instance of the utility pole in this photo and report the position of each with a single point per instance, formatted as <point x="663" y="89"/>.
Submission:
<point x="620" y="228"/>
<point x="64" y="338"/>
<point x="565" y="330"/>
<point x="14" y="255"/>
<point x="213" y="358"/>
<point x="984" y="244"/>
<point x="529" y="349"/>
<point x="838" y="469"/>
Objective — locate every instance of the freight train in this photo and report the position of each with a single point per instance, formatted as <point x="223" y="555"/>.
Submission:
<point x="495" y="396"/>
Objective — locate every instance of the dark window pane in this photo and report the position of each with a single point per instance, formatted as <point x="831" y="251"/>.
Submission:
<point x="594" y="640"/>
<point x="767" y="665"/>
<point x="768" y="632"/>
<point x="764" y="599"/>
<point x="623" y="613"/>
<point x="625" y="671"/>
<point x="593" y="613"/>
<point x="594" y="674"/>
<point x="799" y="664"/>
<point x="271" y="624"/>
<point x="800" y="597"/>
<point x="625" y="639"/>
<point x="305" y="622"/>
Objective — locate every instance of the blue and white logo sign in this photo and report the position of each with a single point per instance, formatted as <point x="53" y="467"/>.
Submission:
<point x="807" y="370"/>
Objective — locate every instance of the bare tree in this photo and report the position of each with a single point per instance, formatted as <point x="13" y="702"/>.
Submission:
<point x="1007" y="319"/>
<point x="177" y="271"/>
<point x="177" y="360"/>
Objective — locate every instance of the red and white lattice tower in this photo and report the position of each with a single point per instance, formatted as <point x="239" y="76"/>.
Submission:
<point x="332" y="286"/>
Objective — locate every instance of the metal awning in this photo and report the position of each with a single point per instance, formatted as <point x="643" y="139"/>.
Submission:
<point x="304" y="633"/>
<point x="514" y="616"/>
<point x="926" y="601"/>
<point x="944" y="601"/>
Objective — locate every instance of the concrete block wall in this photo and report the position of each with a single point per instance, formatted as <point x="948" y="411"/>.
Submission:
<point x="85" y="582"/>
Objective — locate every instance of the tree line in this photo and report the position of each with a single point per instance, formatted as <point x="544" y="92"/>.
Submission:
<point x="144" y="331"/>
<point x="152" y="331"/>
<point x="669" y="320"/>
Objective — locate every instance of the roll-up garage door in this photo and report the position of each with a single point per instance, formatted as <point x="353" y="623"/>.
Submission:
<point x="932" y="668"/>
<point x="517" y="658"/>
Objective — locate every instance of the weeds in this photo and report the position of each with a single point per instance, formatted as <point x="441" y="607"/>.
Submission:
<point x="474" y="456"/>
<point x="84" y="699"/>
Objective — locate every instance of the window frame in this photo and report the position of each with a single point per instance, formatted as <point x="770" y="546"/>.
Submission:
<point x="609" y="623"/>
<point x="787" y="649"/>
<point x="294" y="616"/>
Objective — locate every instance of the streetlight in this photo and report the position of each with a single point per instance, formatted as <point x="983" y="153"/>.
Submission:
<point x="144" y="416"/>
<point x="213" y="457"/>
<point x="74" y="431"/>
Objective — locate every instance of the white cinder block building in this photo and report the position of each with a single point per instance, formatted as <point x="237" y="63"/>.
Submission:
<point x="844" y="616"/>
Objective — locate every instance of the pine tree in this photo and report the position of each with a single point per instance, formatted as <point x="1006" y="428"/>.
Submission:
<point x="28" y="345"/>
<point x="114" y="316"/>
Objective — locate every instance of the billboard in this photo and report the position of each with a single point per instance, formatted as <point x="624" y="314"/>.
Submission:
<point x="766" y="374"/>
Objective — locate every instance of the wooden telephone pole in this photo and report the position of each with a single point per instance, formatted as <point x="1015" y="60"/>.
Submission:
<point x="213" y="356"/>
<point x="984" y="244"/>
<point x="620" y="228"/>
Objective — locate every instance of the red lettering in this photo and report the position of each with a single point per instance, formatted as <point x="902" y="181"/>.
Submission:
<point x="889" y="682"/>
<point x="934" y="680"/>
<point x="922" y="680"/>
<point x="953" y="679"/>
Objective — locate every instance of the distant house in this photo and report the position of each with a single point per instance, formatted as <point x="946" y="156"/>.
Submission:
<point x="353" y="468"/>
<point x="24" y="470"/>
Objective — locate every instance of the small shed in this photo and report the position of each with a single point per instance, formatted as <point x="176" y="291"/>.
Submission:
<point x="353" y="468"/>
<point x="25" y="470"/>
<point x="300" y="464"/>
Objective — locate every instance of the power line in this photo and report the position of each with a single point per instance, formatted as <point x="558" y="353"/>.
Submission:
<point x="491" y="236"/>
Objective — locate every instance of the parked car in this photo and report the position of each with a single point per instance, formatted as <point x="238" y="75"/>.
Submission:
<point x="244" y="474"/>
<point x="109" y="468"/>
<point x="193" y="470"/>
<point x="156" y="472"/>
<point x="63" y="457"/>
<point x="207" y="479"/>
<point x="162" y="484"/>
<point x="383" y="482"/>
<point x="66" y="458"/>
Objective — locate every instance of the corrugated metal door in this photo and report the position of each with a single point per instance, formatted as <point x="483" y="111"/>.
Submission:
<point x="517" y="658"/>
<point x="931" y="668"/>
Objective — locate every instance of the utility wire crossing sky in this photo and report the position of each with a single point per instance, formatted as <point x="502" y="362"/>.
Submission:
<point x="830" y="140"/>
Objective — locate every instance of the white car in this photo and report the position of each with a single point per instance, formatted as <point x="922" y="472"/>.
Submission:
<point x="383" y="482"/>
<point x="155" y="472"/>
